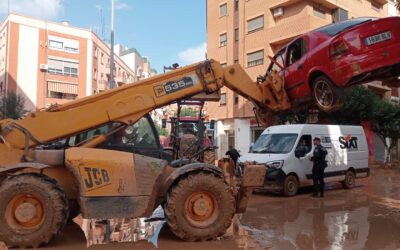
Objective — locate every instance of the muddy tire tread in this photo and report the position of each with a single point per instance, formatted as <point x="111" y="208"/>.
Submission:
<point x="59" y="202"/>
<point x="209" y="157"/>
<point x="174" y="200"/>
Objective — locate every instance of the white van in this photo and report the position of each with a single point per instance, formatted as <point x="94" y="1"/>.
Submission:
<point x="347" y="155"/>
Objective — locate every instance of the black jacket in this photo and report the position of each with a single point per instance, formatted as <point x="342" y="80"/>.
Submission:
<point x="319" y="155"/>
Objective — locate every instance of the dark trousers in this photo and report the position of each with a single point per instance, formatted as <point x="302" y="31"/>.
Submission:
<point x="318" y="180"/>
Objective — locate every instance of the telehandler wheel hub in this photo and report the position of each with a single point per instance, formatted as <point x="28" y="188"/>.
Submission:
<point x="25" y="211"/>
<point x="201" y="208"/>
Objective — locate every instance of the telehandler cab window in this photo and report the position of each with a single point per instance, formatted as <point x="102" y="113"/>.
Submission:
<point x="139" y="135"/>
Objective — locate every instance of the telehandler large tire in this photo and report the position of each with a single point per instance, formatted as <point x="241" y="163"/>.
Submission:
<point x="33" y="209"/>
<point x="209" y="157"/>
<point x="200" y="207"/>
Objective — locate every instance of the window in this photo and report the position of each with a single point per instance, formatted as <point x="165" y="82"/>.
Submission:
<point x="336" y="28"/>
<point x="278" y="60"/>
<point x="222" y="40"/>
<point x="274" y="144"/>
<point x="375" y="6"/>
<point x="255" y="58"/>
<point x="222" y="100"/>
<point x="102" y="58"/>
<point x="319" y="12"/>
<point x="303" y="147"/>
<point x="235" y="98"/>
<point x="59" y="66"/>
<point x="223" y="65"/>
<point x="61" y="90"/>
<point x="339" y="15"/>
<point x="56" y="44"/>
<point x="236" y="5"/>
<point x="236" y="34"/>
<point x="255" y="24"/>
<point x="223" y="10"/>
<point x="236" y="61"/>
<point x="296" y="51"/>
<point x="139" y="135"/>
<point x="63" y="44"/>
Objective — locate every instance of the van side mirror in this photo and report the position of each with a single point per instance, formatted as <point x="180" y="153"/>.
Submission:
<point x="164" y="123"/>
<point x="212" y="124"/>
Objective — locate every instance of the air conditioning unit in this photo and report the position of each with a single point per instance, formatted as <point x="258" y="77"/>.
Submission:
<point x="44" y="67"/>
<point x="278" y="12"/>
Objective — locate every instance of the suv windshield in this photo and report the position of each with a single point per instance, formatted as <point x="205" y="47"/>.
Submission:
<point x="274" y="143"/>
<point x="336" y="28"/>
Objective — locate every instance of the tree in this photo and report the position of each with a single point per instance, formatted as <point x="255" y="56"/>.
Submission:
<point x="188" y="112"/>
<point x="161" y="131"/>
<point x="386" y="124"/>
<point x="12" y="105"/>
<point x="357" y="107"/>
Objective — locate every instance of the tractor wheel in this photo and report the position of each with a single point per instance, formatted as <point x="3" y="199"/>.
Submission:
<point x="200" y="207"/>
<point x="33" y="209"/>
<point x="209" y="157"/>
<point x="327" y="96"/>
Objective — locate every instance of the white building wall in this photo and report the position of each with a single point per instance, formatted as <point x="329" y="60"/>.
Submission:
<point x="221" y="139"/>
<point x="130" y="60"/>
<point x="242" y="135"/>
<point x="28" y="58"/>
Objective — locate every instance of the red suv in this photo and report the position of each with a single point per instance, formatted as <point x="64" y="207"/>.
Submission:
<point x="322" y="62"/>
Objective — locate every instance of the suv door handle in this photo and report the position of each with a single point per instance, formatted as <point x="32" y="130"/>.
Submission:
<point x="300" y="66"/>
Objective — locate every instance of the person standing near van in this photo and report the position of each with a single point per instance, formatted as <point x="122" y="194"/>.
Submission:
<point x="319" y="165"/>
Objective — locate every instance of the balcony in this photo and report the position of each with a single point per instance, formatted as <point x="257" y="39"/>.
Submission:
<point x="285" y="31"/>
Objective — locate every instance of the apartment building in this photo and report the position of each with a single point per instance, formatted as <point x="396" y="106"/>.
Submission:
<point x="139" y="64"/>
<point x="49" y="62"/>
<point x="248" y="31"/>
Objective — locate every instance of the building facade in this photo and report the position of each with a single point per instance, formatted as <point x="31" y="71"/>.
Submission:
<point x="50" y="62"/>
<point x="247" y="32"/>
<point x="139" y="64"/>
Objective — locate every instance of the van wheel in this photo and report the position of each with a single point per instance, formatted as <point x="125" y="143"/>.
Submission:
<point x="290" y="185"/>
<point x="349" y="180"/>
<point x="327" y="96"/>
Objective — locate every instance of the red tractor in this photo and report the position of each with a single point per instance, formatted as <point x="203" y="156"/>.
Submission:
<point x="190" y="138"/>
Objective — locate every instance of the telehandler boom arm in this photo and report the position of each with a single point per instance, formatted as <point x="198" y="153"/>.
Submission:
<point x="129" y="103"/>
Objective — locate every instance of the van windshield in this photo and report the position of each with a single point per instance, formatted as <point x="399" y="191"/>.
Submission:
<point x="274" y="143"/>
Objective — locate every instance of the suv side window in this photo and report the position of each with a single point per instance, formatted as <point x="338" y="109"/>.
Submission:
<point x="296" y="51"/>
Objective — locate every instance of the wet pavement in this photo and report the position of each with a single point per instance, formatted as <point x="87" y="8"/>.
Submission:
<point x="366" y="217"/>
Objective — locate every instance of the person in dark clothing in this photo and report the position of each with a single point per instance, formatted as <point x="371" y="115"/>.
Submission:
<point x="233" y="153"/>
<point x="319" y="165"/>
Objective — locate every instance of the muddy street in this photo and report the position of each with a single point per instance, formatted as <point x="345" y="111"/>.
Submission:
<point x="366" y="217"/>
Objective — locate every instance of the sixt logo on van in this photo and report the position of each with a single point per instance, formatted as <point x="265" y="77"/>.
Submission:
<point x="348" y="142"/>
